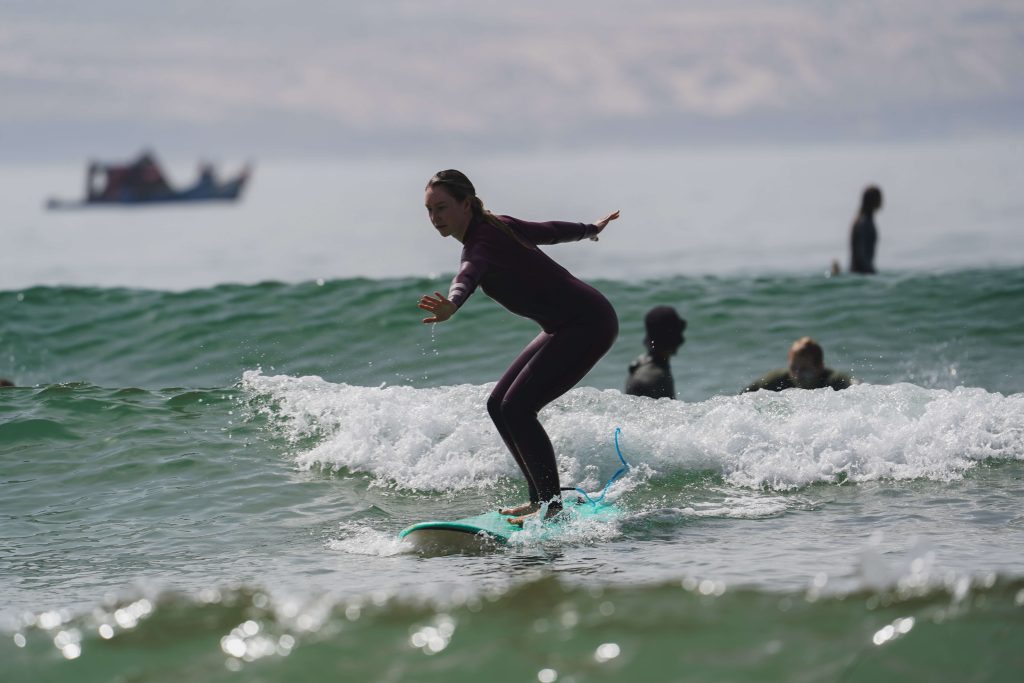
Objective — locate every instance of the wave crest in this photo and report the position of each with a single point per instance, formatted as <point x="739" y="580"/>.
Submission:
<point x="441" y="439"/>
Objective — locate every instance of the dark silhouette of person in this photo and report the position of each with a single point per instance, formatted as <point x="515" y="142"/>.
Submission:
<point x="806" y="371"/>
<point x="147" y="178"/>
<point x="207" y="176"/>
<point x="140" y="179"/>
<point x="650" y="374"/>
<point x="864" y="235"/>
<point x="578" y="324"/>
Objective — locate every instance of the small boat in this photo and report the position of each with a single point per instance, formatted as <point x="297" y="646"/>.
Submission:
<point x="143" y="182"/>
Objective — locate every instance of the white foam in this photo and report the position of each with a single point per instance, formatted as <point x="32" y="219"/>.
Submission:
<point x="794" y="438"/>
<point x="424" y="439"/>
<point x="442" y="439"/>
<point x="572" y="528"/>
<point x="751" y="505"/>
<point x="363" y="540"/>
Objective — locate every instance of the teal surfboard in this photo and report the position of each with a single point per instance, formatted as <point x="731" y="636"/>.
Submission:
<point x="492" y="529"/>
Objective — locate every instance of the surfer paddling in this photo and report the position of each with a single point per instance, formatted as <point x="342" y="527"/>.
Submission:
<point x="578" y="324"/>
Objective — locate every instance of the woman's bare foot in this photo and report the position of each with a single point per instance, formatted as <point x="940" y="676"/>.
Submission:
<point x="553" y="509"/>
<point x="524" y="509"/>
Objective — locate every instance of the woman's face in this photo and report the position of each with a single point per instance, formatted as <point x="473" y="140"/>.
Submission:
<point x="449" y="216"/>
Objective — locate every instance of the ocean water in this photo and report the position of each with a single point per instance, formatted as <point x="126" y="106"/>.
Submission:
<point x="714" y="211"/>
<point x="207" y="484"/>
<point x="224" y="415"/>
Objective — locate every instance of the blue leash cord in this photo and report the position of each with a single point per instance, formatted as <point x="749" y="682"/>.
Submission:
<point x="622" y="470"/>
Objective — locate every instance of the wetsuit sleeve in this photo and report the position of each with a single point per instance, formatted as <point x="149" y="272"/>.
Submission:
<point x="838" y="380"/>
<point x="553" y="232"/>
<point x="773" y="381"/>
<point x="465" y="281"/>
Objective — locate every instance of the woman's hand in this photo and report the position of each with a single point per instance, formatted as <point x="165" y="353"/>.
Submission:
<point x="601" y="224"/>
<point x="441" y="307"/>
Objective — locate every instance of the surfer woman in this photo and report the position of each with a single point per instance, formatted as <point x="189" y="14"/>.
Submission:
<point x="578" y="324"/>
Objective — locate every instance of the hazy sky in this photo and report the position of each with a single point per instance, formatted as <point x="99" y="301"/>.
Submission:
<point x="329" y="78"/>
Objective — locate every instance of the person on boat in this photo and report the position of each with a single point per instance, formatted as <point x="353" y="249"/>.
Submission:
<point x="207" y="176"/>
<point x="93" y="190"/>
<point x="147" y="177"/>
<point x="650" y="374"/>
<point x="806" y="371"/>
<point x="863" y="234"/>
<point x="139" y="180"/>
<point x="578" y="324"/>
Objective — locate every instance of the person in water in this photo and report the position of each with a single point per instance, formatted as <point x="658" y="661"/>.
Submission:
<point x="650" y="374"/>
<point x="578" y="324"/>
<point x="806" y="371"/>
<point x="864" y="235"/>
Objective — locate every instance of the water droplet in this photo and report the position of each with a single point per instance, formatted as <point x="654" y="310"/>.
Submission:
<point x="547" y="676"/>
<point x="606" y="652"/>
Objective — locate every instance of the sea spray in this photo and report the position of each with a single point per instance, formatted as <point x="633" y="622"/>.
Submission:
<point x="441" y="438"/>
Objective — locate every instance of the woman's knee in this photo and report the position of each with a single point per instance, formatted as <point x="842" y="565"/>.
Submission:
<point x="505" y="410"/>
<point x="514" y="410"/>
<point x="494" y="408"/>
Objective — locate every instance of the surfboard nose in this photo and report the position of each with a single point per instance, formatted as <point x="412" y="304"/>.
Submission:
<point x="440" y="541"/>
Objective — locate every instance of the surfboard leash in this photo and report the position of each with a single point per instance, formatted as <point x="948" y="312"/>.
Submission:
<point x="622" y="470"/>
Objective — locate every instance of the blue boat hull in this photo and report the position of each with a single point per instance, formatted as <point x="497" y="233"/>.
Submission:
<point x="200" y="192"/>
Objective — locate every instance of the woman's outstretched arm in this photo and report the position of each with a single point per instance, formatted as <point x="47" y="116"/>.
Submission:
<point x="556" y="232"/>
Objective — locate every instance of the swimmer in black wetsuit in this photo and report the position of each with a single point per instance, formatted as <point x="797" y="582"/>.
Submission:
<point x="650" y="374"/>
<point x="863" y="234"/>
<point x="578" y="324"/>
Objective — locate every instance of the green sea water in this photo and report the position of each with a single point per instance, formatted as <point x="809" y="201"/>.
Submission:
<point x="926" y="328"/>
<point x="208" y="484"/>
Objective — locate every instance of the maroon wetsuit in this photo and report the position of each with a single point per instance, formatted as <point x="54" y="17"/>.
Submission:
<point x="579" y="326"/>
